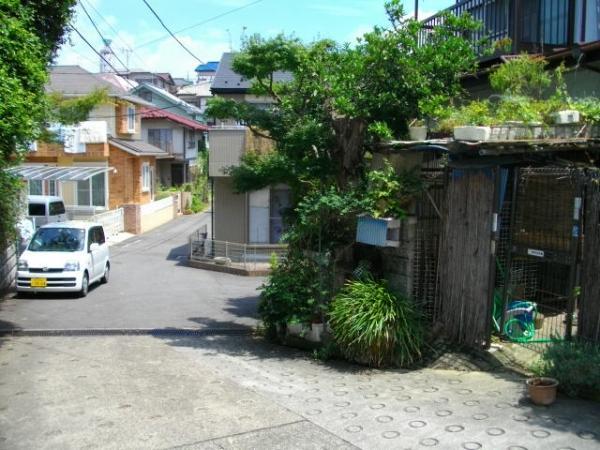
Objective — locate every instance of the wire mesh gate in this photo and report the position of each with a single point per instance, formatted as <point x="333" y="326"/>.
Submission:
<point x="537" y="255"/>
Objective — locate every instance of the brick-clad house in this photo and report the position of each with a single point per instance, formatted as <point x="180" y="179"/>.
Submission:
<point x="101" y="164"/>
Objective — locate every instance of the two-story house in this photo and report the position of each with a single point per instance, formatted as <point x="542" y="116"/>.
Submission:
<point x="180" y="137"/>
<point x="99" y="164"/>
<point x="174" y="126"/>
<point x="254" y="217"/>
<point x="560" y="30"/>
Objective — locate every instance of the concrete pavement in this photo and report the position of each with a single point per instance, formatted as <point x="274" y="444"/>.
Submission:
<point x="242" y="393"/>
<point x="150" y="287"/>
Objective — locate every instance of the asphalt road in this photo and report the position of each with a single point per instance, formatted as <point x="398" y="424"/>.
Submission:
<point x="150" y="288"/>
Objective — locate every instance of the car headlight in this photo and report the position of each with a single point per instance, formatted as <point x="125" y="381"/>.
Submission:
<point x="71" y="266"/>
<point x="22" y="265"/>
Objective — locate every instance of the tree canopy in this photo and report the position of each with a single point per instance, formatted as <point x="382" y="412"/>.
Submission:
<point x="30" y="33"/>
<point x="342" y="99"/>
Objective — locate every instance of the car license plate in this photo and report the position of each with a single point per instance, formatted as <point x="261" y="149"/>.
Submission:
<point x="39" y="282"/>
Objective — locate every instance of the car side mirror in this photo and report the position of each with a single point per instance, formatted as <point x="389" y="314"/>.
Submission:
<point x="94" y="246"/>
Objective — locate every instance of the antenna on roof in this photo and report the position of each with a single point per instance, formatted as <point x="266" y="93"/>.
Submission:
<point x="230" y="41"/>
<point x="107" y="57"/>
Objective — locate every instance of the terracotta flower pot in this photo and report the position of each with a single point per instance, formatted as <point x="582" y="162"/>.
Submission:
<point x="542" y="391"/>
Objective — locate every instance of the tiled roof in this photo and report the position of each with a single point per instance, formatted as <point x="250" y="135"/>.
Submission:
<point x="226" y="80"/>
<point x="138" y="148"/>
<point x="191" y="109"/>
<point x="148" y="113"/>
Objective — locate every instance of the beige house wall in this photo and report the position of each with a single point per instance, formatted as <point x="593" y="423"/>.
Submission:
<point x="230" y="212"/>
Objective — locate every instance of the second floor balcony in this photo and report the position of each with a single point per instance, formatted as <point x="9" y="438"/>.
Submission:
<point x="535" y="26"/>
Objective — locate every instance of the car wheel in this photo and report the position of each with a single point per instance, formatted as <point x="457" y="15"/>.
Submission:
<point x="85" y="285"/>
<point x="106" y="275"/>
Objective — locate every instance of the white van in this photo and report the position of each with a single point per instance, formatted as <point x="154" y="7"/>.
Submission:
<point x="43" y="209"/>
<point x="64" y="257"/>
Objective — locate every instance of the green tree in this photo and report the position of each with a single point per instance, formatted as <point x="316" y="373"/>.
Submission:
<point x="30" y="32"/>
<point x="340" y="101"/>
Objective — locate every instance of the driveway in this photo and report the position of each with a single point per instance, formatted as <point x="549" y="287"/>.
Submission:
<point x="150" y="288"/>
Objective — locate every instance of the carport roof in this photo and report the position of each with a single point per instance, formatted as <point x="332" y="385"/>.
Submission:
<point x="57" y="173"/>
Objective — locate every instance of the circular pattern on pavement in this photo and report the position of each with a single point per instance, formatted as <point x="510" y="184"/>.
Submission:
<point x="384" y="419"/>
<point x="417" y="424"/>
<point x="443" y="413"/>
<point x="471" y="445"/>
<point x="480" y="416"/>
<point x="540" y="434"/>
<point x="454" y="428"/>
<point x="587" y="435"/>
<point x="429" y="442"/>
<point x="353" y="428"/>
<point x="390" y="434"/>
<point x="342" y="404"/>
<point x="412" y="409"/>
<point x="349" y="415"/>
<point x="494" y="431"/>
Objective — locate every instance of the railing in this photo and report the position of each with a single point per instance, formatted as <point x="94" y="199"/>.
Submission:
<point x="247" y="256"/>
<point x="531" y="25"/>
<point x="113" y="220"/>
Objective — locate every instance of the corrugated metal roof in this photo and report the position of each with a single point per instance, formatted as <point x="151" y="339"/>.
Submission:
<point x="58" y="173"/>
<point x="191" y="109"/>
<point x="210" y="66"/>
<point x="226" y="80"/>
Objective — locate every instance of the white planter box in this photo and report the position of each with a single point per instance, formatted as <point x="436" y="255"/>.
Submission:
<point x="516" y="131"/>
<point x="417" y="133"/>
<point x="566" y="116"/>
<point x="315" y="334"/>
<point x="295" y="329"/>
<point x="472" y="133"/>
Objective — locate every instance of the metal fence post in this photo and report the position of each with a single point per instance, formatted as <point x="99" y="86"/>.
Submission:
<point x="226" y="250"/>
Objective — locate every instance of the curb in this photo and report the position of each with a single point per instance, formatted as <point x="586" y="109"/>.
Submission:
<point x="130" y="332"/>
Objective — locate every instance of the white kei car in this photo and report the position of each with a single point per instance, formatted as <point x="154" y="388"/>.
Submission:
<point x="64" y="257"/>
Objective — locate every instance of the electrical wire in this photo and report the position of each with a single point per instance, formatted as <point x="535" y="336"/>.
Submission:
<point x="99" y="54"/>
<point x="104" y="40"/>
<point x="171" y="33"/>
<point x="210" y="19"/>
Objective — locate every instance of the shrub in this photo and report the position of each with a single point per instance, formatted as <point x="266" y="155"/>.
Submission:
<point x="291" y="293"/>
<point x="576" y="365"/>
<point x="372" y="325"/>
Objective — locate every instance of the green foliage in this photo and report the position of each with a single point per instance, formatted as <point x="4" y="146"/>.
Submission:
<point x="29" y="33"/>
<point x="576" y="365"/>
<point x="525" y="75"/>
<point x="387" y="193"/>
<point x="373" y="326"/>
<point x="291" y="293"/>
<point x="589" y="109"/>
<point x="257" y="171"/>
<point x="70" y="111"/>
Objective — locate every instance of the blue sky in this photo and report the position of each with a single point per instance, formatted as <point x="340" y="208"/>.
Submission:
<point x="132" y="26"/>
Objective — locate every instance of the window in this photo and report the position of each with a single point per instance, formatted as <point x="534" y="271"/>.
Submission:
<point x="131" y="119"/>
<point x="56" y="208"/>
<point x="52" y="187"/>
<point x="96" y="236"/>
<point x="37" y="209"/>
<point x="162" y="138"/>
<point x="92" y="192"/>
<point x="146" y="177"/>
<point x="36" y="187"/>
<point x="191" y="139"/>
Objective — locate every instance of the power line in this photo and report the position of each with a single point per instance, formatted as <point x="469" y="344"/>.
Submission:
<point x="127" y="46"/>
<point x="101" y="36"/>
<point x="218" y="16"/>
<point x="171" y="33"/>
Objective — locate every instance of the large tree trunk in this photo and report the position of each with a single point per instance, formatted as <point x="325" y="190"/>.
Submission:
<point x="349" y="148"/>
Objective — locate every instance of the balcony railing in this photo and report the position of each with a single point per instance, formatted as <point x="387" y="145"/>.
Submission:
<point x="531" y="25"/>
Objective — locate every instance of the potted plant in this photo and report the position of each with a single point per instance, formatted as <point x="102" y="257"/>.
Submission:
<point x="542" y="390"/>
<point x="417" y="130"/>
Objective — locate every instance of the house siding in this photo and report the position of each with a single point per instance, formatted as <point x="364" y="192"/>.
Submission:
<point x="230" y="212"/>
<point x="126" y="182"/>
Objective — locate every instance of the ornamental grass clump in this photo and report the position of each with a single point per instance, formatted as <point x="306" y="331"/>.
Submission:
<point x="373" y="326"/>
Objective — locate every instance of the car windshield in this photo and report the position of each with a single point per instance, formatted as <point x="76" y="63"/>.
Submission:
<point x="57" y="240"/>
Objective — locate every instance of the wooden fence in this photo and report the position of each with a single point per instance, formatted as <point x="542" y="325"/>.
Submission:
<point x="8" y="267"/>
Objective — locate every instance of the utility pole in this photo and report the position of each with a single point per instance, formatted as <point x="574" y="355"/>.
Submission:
<point x="416" y="9"/>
